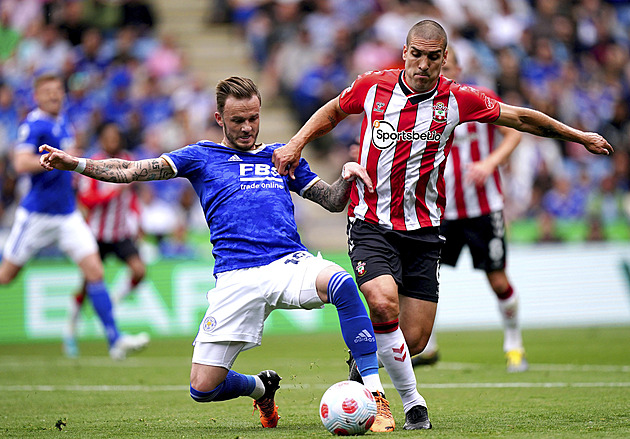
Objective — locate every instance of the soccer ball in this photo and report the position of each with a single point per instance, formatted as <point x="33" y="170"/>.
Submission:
<point x="347" y="408"/>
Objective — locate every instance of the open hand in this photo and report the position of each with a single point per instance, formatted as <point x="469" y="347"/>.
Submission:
<point x="596" y="144"/>
<point x="353" y="170"/>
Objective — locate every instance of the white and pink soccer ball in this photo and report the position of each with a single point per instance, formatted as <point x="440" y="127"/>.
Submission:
<point x="347" y="408"/>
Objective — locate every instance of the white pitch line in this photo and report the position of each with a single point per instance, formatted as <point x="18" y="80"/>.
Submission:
<point x="179" y="388"/>
<point x="14" y="361"/>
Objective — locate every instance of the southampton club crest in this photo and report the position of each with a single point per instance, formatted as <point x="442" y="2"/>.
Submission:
<point x="360" y="269"/>
<point x="440" y="112"/>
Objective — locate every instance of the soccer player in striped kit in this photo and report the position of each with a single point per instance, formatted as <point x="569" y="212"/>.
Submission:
<point x="474" y="217"/>
<point x="112" y="214"/>
<point x="48" y="214"/>
<point x="393" y="232"/>
<point x="260" y="262"/>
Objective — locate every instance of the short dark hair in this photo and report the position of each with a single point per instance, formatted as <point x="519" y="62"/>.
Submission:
<point x="46" y="77"/>
<point x="429" y="29"/>
<point x="238" y="87"/>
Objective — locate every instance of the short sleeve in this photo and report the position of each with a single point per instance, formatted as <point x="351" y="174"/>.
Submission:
<point x="184" y="161"/>
<point x="475" y="105"/>
<point x="305" y="178"/>
<point x="352" y="99"/>
<point x="28" y="137"/>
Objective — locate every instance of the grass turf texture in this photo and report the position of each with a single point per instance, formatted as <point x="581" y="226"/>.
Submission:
<point x="578" y="386"/>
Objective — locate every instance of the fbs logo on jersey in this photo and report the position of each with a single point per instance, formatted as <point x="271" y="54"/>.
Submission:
<point x="360" y="268"/>
<point x="384" y="135"/>
<point x="209" y="324"/>
<point x="440" y="112"/>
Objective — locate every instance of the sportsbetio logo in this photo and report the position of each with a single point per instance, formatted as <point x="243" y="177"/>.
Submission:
<point x="384" y="135"/>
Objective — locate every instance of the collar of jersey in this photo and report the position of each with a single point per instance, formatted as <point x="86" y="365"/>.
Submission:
<point x="259" y="148"/>
<point x="41" y="114"/>
<point x="412" y="95"/>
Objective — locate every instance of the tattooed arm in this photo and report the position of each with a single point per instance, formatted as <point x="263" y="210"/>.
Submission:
<point x="334" y="197"/>
<point x="323" y="121"/>
<point x="112" y="170"/>
<point x="535" y="122"/>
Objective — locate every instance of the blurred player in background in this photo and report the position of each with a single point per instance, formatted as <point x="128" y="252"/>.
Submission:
<point x="474" y="217"/>
<point x="393" y="233"/>
<point x="48" y="215"/>
<point x="112" y="214"/>
<point x="260" y="262"/>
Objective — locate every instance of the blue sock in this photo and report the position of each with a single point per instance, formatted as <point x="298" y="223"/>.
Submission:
<point x="97" y="292"/>
<point x="356" y="326"/>
<point x="234" y="385"/>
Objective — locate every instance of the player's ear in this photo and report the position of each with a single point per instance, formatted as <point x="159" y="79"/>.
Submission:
<point x="404" y="52"/>
<point x="445" y="57"/>
<point x="218" y="118"/>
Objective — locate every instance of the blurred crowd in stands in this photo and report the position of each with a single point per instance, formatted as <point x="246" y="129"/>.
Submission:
<point x="116" y="68"/>
<point x="567" y="58"/>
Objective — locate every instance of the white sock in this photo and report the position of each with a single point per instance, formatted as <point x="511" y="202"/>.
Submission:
<point x="123" y="292"/>
<point x="512" y="338"/>
<point x="259" y="390"/>
<point x="373" y="383"/>
<point x="394" y="354"/>
<point x="73" y="319"/>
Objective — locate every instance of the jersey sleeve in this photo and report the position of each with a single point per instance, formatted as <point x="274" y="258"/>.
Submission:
<point x="184" y="161"/>
<point x="352" y="99"/>
<point x="475" y="105"/>
<point x="305" y="178"/>
<point x="28" y="137"/>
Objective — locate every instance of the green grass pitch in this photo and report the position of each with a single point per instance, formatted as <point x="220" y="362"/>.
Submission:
<point x="578" y="386"/>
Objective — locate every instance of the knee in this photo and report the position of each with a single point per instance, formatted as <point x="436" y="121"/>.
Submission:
<point x="383" y="309"/>
<point x="200" y="396"/>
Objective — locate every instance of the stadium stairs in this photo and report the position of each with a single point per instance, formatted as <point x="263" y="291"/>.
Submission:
<point x="216" y="51"/>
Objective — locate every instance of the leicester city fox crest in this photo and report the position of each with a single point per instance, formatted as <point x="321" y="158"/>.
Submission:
<point x="440" y="112"/>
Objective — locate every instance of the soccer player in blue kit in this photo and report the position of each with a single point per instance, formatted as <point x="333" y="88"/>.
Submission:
<point x="260" y="262"/>
<point x="48" y="213"/>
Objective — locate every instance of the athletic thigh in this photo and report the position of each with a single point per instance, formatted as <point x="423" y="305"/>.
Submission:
<point x="454" y="241"/>
<point x="243" y="299"/>
<point x="371" y="253"/>
<point x="485" y="237"/>
<point x="30" y="232"/>
<point x="76" y="238"/>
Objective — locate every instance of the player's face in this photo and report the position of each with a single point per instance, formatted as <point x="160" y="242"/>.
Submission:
<point x="110" y="139"/>
<point x="49" y="96"/>
<point x="240" y="121"/>
<point x="423" y="62"/>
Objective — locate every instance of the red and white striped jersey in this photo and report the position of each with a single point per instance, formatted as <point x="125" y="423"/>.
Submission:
<point x="112" y="208"/>
<point x="405" y="140"/>
<point x="472" y="142"/>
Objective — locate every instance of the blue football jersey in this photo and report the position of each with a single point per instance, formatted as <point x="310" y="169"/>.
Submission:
<point x="247" y="204"/>
<point x="51" y="191"/>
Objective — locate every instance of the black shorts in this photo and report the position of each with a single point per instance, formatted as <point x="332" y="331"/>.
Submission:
<point x="122" y="249"/>
<point x="484" y="236"/>
<point x="412" y="258"/>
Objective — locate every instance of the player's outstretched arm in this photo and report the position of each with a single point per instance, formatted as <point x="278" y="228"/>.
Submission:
<point x="334" y="197"/>
<point x="286" y="158"/>
<point x="535" y="122"/>
<point x="111" y="170"/>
